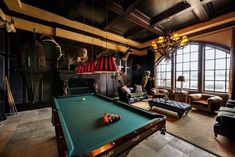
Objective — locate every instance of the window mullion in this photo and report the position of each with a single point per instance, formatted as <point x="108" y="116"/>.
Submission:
<point x="201" y="68"/>
<point x="214" y="68"/>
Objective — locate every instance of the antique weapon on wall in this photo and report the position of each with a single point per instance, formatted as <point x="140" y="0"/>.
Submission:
<point x="9" y="25"/>
<point x="33" y="64"/>
<point x="10" y="99"/>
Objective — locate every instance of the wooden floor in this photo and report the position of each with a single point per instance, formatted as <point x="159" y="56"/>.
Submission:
<point x="30" y="134"/>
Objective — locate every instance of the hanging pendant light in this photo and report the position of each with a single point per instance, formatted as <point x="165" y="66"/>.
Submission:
<point x="90" y="66"/>
<point x="106" y="64"/>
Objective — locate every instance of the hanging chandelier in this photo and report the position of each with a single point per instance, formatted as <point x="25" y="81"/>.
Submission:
<point x="168" y="44"/>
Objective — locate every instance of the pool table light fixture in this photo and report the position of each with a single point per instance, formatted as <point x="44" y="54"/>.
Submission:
<point x="104" y="64"/>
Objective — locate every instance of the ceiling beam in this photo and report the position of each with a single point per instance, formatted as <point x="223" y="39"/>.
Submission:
<point x="175" y="11"/>
<point x="111" y="23"/>
<point x="74" y="8"/>
<point x="199" y="10"/>
<point x="131" y="14"/>
<point x="19" y="3"/>
<point x="122" y="15"/>
<point x="181" y="7"/>
<point x="32" y="12"/>
<point x="133" y="32"/>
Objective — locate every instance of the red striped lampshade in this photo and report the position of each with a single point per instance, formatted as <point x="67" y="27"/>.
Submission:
<point x="106" y="63"/>
<point x="89" y="66"/>
<point x="80" y="68"/>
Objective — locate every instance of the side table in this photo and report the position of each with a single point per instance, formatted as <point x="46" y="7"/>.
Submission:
<point x="181" y="96"/>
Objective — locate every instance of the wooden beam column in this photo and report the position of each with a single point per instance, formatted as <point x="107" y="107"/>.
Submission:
<point x="232" y="67"/>
<point x="201" y="60"/>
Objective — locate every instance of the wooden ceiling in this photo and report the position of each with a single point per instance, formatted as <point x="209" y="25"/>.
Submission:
<point x="139" y="20"/>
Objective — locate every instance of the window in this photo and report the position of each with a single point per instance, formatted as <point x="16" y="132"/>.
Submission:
<point x="187" y="66"/>
<point x="217" y="62"/>
<point x="164" y="74"/>
<point x="198" y="62"/>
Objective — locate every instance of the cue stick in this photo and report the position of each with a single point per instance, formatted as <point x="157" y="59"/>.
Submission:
<point x="10" y="99"/>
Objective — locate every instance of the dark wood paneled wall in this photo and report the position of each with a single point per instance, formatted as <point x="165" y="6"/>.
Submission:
<point x="2" y="69"/>
<point x="11" y="46"/>
<point x="145" y="63"/>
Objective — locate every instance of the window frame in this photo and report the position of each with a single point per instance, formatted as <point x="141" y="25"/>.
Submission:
<point x="189" y="71"/>
<point x="226" y="75"/>
<point x="166" y="71"/>
<point x="201" y="68"/>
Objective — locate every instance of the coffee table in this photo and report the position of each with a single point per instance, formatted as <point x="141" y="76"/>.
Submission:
<point x="175" y="106"/>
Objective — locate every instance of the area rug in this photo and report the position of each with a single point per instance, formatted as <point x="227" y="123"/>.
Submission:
<point x="196" y="128"/>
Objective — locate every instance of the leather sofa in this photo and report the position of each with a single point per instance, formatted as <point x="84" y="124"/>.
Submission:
<point x="225" y="121"/>
<point x="131" y="97"/>
<point x="205" y="102"/>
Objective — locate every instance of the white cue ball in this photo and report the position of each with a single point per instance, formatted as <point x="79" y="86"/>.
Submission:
<point x="83" y="99"/>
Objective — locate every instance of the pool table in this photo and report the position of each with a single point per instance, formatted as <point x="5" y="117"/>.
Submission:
<point x="80" y="129"/>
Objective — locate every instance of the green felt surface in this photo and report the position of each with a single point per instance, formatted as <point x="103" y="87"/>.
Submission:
<point x="83" y="121"/>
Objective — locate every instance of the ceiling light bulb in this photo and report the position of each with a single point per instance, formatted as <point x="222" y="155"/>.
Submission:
<point x="184" y="39"/>
<point x="154" y="44"/>
<point x="161" y="39"/>
<point x="175" y="37"/>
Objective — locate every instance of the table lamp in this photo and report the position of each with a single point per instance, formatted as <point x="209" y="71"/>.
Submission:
<point x="181" y="79"/>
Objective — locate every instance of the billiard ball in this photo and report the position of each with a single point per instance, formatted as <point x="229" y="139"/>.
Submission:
<point x="83" y="99"/>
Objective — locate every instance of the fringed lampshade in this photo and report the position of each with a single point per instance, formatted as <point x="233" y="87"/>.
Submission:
<point x="103" y="64"/>
<point x="90" y="66"/>
<point x="80" y="68"/>
<point x="87" y="67"/>
<point x="106" y="63"/>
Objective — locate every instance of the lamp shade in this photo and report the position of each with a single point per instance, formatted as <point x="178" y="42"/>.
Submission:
<point x="181" y="79"/>
<point x="80" y="68"/>
<point x="106" y="63"/>
<point x="90" y="66"/>
<point x="103" y="64"/>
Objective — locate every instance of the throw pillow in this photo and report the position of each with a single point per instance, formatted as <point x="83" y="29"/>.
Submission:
<point x="138" y="88"/>
<point x="126" y="89"/>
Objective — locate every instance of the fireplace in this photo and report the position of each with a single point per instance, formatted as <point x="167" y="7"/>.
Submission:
<point x="80" y="85"/>
<point x="73" y="84"/>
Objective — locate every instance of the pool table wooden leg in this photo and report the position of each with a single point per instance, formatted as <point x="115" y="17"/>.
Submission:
<point x="163" y="130"/>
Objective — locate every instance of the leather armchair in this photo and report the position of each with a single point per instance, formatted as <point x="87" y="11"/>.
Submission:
<point x="225" y="121"/>
<point x="159" y="93"/>
<point x="205" y="102"/>
<point x="132" y="97"/>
